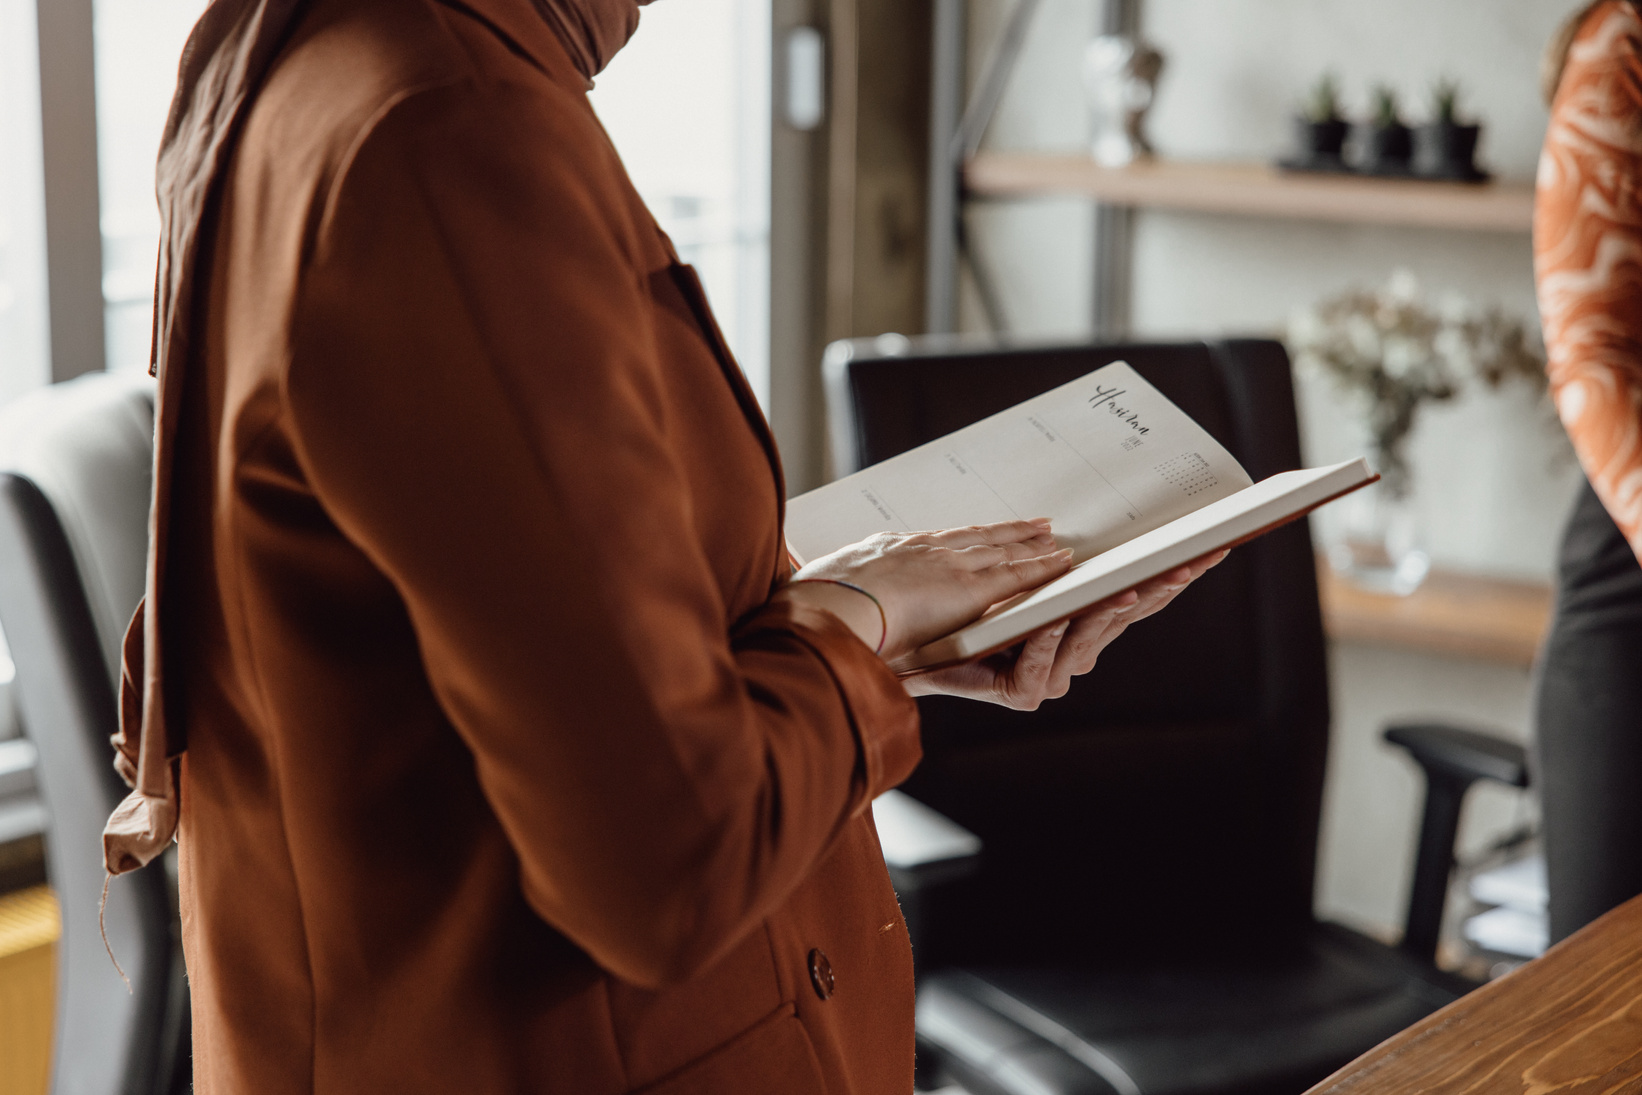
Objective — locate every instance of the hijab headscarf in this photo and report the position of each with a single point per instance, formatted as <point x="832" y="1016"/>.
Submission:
<point x="227" y="57"/>
<point x="591" y="30"/>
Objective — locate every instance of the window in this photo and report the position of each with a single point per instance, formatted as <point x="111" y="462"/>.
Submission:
<point x="138" y="43"/>
<point x="687" y="103"/>
<point x="24" y="332"/>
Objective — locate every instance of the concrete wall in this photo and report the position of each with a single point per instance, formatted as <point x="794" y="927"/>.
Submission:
<point x="1494" y="477"/>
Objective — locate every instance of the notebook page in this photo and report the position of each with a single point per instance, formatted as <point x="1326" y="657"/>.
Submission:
<point x="1106" y="458"/>
<point x="1246" y="513"/>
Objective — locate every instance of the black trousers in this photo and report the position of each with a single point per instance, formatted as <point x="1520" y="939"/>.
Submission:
<point x="1590" y="723"/>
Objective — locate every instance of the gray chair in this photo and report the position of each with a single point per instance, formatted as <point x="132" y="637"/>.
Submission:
<point x="74" y="494"/>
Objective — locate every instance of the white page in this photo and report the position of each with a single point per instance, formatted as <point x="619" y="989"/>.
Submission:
<point x="1228" y="521"/>
<point x="1105" y="458"/>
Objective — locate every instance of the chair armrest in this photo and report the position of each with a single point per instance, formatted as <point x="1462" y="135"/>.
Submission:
<point x="1452" y="759"/>
<point x="921" y="846"/>
<point x="1462" y="754"/>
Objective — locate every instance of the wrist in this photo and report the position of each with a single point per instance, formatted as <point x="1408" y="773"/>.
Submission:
<point x="854" y="607"/>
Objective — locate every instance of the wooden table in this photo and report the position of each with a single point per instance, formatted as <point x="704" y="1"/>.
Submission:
<point x="1461" y="615"/>
<point x="1569" y="1023"/>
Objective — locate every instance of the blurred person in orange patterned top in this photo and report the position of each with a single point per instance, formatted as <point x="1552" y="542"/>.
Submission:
<point x="1588" y="268"/>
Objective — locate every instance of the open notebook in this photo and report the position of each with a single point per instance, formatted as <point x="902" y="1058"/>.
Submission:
<point x="1133" y="486"/>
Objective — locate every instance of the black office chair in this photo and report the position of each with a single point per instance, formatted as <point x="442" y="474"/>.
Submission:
<point x="74" y="493"/>
<point x="1140" y="918"/>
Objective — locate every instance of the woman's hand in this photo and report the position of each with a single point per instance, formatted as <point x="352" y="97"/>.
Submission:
<point x="929" y="583"/>
<point x="1043" y="665"/>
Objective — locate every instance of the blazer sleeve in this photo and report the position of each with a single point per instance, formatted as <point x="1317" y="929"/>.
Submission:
<point x="473" y="389"/>
<point x="1588" y="258"/>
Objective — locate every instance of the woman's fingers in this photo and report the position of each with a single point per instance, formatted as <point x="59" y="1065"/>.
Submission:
<point x="1029" y="549"/>
<point x="930" y="583"/>
<point x="1087" y="636"/>
<point x="1024" y="686"/>
<point x="927" y="584"/>
<point x="1093" y="631"/>
<point x="1019" y="575"/>
<point x="1045" y="663"/>
<point x="1156" y="594"/>
<point x="997" y="534"/>
<point x="983" y="556"/>
<point x="1192" y="571"/>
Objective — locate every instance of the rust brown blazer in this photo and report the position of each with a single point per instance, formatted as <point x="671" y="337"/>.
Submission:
<point x="501" y="773"/>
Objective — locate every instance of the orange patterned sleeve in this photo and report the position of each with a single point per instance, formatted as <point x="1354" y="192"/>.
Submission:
<point x="1588" y="257"/>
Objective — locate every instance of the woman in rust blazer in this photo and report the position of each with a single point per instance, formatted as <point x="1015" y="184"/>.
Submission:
<point x="514" y="762"/>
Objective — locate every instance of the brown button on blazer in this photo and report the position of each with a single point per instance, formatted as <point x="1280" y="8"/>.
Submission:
<point x="502" y="774"/>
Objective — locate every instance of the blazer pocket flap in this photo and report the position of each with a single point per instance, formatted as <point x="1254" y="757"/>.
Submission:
<point x="772" y="1057"/>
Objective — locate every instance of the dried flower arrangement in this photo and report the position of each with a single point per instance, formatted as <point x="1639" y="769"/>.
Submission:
<point x="1393" y="354"/>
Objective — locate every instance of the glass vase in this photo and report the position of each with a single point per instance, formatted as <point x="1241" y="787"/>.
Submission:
<point x="1373" y="539"/>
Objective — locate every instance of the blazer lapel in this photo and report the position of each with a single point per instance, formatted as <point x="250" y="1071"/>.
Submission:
<point x="527" y="33"/>
<point x="689" y="286"/>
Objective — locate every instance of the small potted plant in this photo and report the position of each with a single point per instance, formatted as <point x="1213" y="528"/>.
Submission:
<point x="1319" y="130"/>
<point x="1446" y="148"/>
<point x="1386" y="143"/>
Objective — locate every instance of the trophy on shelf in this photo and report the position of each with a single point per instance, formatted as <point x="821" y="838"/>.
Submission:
<point x="1120" y="74"/>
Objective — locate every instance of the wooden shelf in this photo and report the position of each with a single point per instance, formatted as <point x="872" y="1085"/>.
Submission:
<point x="1257" y="190"/>
<point x="1460" y="615"/>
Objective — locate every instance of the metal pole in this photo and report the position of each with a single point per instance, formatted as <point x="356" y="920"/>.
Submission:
<point x="989" y="92"/>
<point x="967" y="142"/>
<point x="1113" y="273"/>
<point x="68" y="143"/>
<point x="1444" y="796"/>
<point x="798" y="162"/>
<point x="945" y="178"/>
<point x="1120" y="16"/>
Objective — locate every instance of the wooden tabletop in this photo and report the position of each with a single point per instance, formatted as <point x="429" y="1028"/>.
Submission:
<point x="1257" y="189"/>
<point x="1461" y="615"/>
<point x="1569" y="1023"/>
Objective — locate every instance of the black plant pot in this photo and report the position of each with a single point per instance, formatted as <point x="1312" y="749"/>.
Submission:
<point x="1444" y="150"/>
<point x="1385" y="149"/>
<point x="1319" y="146"/>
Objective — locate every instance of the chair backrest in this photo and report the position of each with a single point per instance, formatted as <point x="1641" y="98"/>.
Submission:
<point x="74" y="494"/>
<point x="1174" y="794"/>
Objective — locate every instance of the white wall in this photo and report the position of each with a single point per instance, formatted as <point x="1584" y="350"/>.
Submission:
<point x="1493" y="475"/>
<point x="1494" y="482"/>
